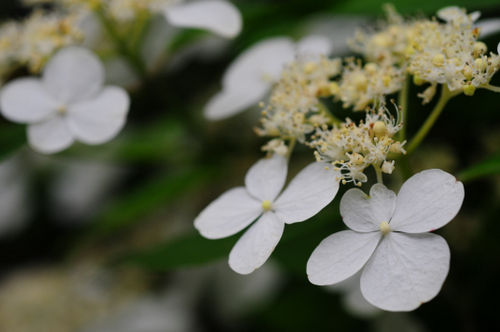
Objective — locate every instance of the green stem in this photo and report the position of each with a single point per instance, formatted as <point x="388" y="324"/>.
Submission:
<point x="378" y="171"/>
<point x="139" y="29"/>
<point x="446" y="95"/>
<point x="326" y="112"/>
<point x="491" y="88"/>
<point x="403" y="103"/>
<point x="291" y="146"/>
<point x="121" y="45"/>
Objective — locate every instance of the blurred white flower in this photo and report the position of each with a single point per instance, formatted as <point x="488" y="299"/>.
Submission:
<point x="14" y="204"/>
<point x="309" y="192"/>
<point x="250" y="77"/>
<point x="81" y="189"/>
<point x="220" y="17"/>
<point x="403" y="265"/>
<point x="68" y="103"/>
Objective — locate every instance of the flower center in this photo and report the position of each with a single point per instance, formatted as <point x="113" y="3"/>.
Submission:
<point x="267" y="205"/>
<point x="385" y="228"/>
<point x="62" y="109"/>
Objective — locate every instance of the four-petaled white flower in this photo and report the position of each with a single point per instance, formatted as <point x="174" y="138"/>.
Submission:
<point x="68" y="103"/>
<point x="250" y="77"/>
<point x="404" y="266"/>
<point x="220" y="17"/>
<point x="309" y="192"/>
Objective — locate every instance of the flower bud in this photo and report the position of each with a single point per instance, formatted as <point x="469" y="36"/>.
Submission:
<point x="469" y="89"/>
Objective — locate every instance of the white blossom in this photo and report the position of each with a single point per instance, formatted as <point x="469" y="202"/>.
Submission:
<point x="220" y="17"/>
<point x="403" y="265"/>
<point x="309" y="192"/>
<point x="250" y="77"/>
<point x="68" y="103"/>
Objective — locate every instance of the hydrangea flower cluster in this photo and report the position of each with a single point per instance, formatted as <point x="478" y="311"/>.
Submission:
<point x="32" y="42"/>
<point x="402" y="264"/>
<point x="362" y="145"/>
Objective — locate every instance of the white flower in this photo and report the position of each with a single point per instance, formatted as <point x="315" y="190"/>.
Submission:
<point x="309" y="192"/>
<point x="250" y="77"/>
<point x="68" y="103"/>
<point x="220" y="17"/>
<point x="403" y="265"/>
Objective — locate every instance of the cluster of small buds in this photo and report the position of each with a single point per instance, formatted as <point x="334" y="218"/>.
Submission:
<point x="361" y="86"/>
<point x="293" y="108"/>
<point x="352" y="148"/>
<point x="449" y="53"/>
<point x="120" y="10"/>
<point x="32" y="42"/>
<point x="389" y="43"/>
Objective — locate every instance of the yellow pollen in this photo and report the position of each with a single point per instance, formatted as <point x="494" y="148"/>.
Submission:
<point x="385" y="228"/>
<point x="267" y="205"/>
<point x="438" y="59"/>
<point x="62" y="109"/>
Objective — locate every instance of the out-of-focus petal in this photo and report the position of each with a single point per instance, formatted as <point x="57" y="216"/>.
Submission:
<point x="364" y="213"/>
<point x="250" y="76"/>
<point x="50" y="136"/>
<point x="427" y="201"/>
<point x="232" y="101"/>
<point x="314" y="45"/>
<point x="265" y="179"/>
<point x="405" y="271"/>
<point x="25" y="100"/>
<point x="98" y="120"/>
<point x="309" y="192"/>
<point x="256" y="245"/>
<point x="228" y="214"/>
<point x="340" y="256"/>
<point x="73" y="74"/>
<point x="220" y="17"/>
<point x="488" y="26"/>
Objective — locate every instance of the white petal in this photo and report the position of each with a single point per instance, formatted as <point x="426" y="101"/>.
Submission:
<point x="73" y="74"/>
<point x="250" y="77"/>
<point x="263" y="62"/>
<point x="427" y="201"/>
<point x="309" y="192"/>
<point x="265" y="179"/>
<point x="50" y="136"/>
<point x="475" y="15"/>
<point x="256" y="245"/>
<point x="227" y="215"/>
<point x="314" y="45"/>
<point x="220" y="17"/>
<point x="405" y="271"/>
<point x="450" y="13"/>
<point x="100" y="119"/>
<point x="25" y="100"/>
<point x="232" y="101"/>
<point x="489" y="26"/>
<point x="340" y="256"/>
<point x="364" y="213"/>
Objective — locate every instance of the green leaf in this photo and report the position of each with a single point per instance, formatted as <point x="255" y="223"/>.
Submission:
<point x="12" y="137"/>
<point x="190" y="250"/>
<point x="159" y="191"/>
<point x="485" y="168"/>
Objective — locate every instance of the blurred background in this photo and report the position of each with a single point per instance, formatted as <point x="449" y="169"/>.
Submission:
<point x="101" y="238"/>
